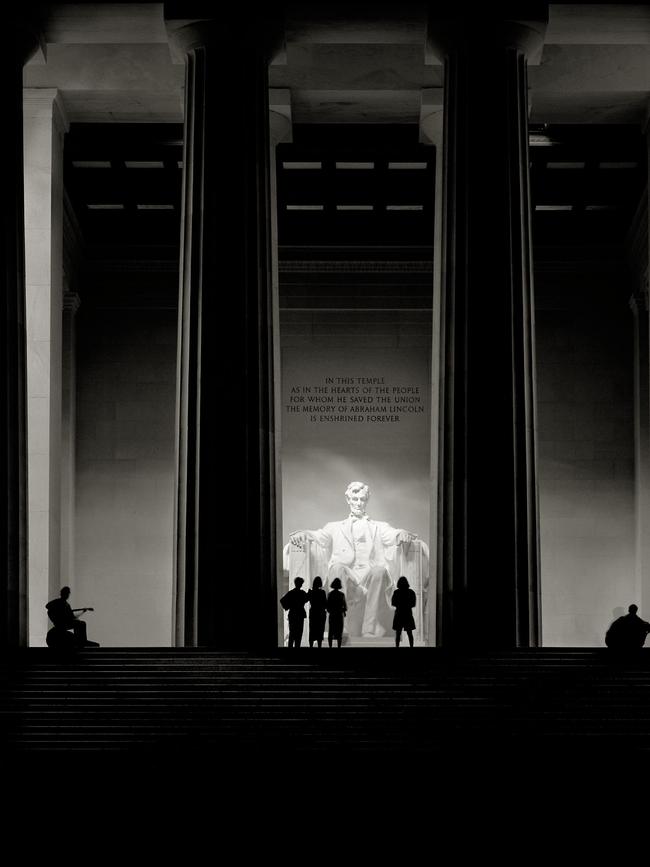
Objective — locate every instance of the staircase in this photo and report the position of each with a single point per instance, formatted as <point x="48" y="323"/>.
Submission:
<point x="418" y="701"/>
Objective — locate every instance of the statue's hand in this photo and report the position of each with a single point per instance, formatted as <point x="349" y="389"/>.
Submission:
<point x="298" y="539"/>
<point x="405" y="537"/>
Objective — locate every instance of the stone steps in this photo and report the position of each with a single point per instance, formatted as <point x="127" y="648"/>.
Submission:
<point x="425" y="701"/>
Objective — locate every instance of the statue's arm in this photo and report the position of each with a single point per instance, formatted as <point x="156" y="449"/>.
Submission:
<point x="395" y="535"/>
<point x="322" y="537"/>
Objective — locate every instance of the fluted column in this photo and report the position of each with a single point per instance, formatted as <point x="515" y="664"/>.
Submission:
<point x="488" y="552"/>
<point x="20" y="40"/>
<point x="225" y="514"/>
<point x="280" y="129"/>
<point x="431" y="132"/>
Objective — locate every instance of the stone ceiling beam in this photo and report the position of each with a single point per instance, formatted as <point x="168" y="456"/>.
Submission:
<point x="110" y="23"/>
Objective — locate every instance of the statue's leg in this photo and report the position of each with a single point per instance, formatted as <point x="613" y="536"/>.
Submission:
<point x="377" y="613"/>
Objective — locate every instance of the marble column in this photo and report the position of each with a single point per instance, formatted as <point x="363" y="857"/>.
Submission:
<point x="431" y="132"/>
<point x="280" y="129"/>
<point x="225" y="513"/>
<point x="21" y="40"/>
<point x="44" y="127"/>
<point x="488" y="551"/>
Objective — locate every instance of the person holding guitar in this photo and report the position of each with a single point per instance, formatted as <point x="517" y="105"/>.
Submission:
<point x="64" y="617"/>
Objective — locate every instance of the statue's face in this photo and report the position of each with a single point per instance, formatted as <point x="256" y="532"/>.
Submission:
<point x="357" y="501"/>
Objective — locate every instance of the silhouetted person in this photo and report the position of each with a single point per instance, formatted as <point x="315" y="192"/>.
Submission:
<point x="403" y="601"/>
<point x="627" y="632"/>
<point x="317" y="612"/>
<point x="337" y="607"/>
<point x="294" y="602"/>
<point x="64" y="618"/>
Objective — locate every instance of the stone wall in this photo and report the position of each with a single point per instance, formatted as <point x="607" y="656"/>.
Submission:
<point x="585" y="381"/>
<point x="126" y="372"/>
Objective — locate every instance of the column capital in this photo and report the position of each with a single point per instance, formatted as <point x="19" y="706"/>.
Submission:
<point x="280" y="124"/>
<point x="46" y="102"/>
<point x="523" y="29"/>
<point x="431" y="115"/>
<point x="194" y="25"/>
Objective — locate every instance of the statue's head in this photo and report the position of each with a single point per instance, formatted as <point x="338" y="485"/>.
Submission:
<point x="633" y="609"/>
<point x="357" y="495"/>
<point x="65" y="592"/>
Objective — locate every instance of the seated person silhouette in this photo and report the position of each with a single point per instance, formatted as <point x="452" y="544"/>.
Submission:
<point x="65" y="618"/>
<point x="627" y="632"/>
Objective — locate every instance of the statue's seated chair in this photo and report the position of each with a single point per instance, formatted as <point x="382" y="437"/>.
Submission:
<point x="411" y="560"/>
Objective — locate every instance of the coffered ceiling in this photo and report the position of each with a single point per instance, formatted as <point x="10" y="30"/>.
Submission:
<point x="353" y="82"/>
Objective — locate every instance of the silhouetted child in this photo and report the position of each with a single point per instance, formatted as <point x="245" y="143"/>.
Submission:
<point x="403" y="601"/>
<point x="64" y="618"/>
<point x="294" y="602"/>
<point x="627" y="632"/>
<point x="317" y="612"/>
<point x="337" y="607"/>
